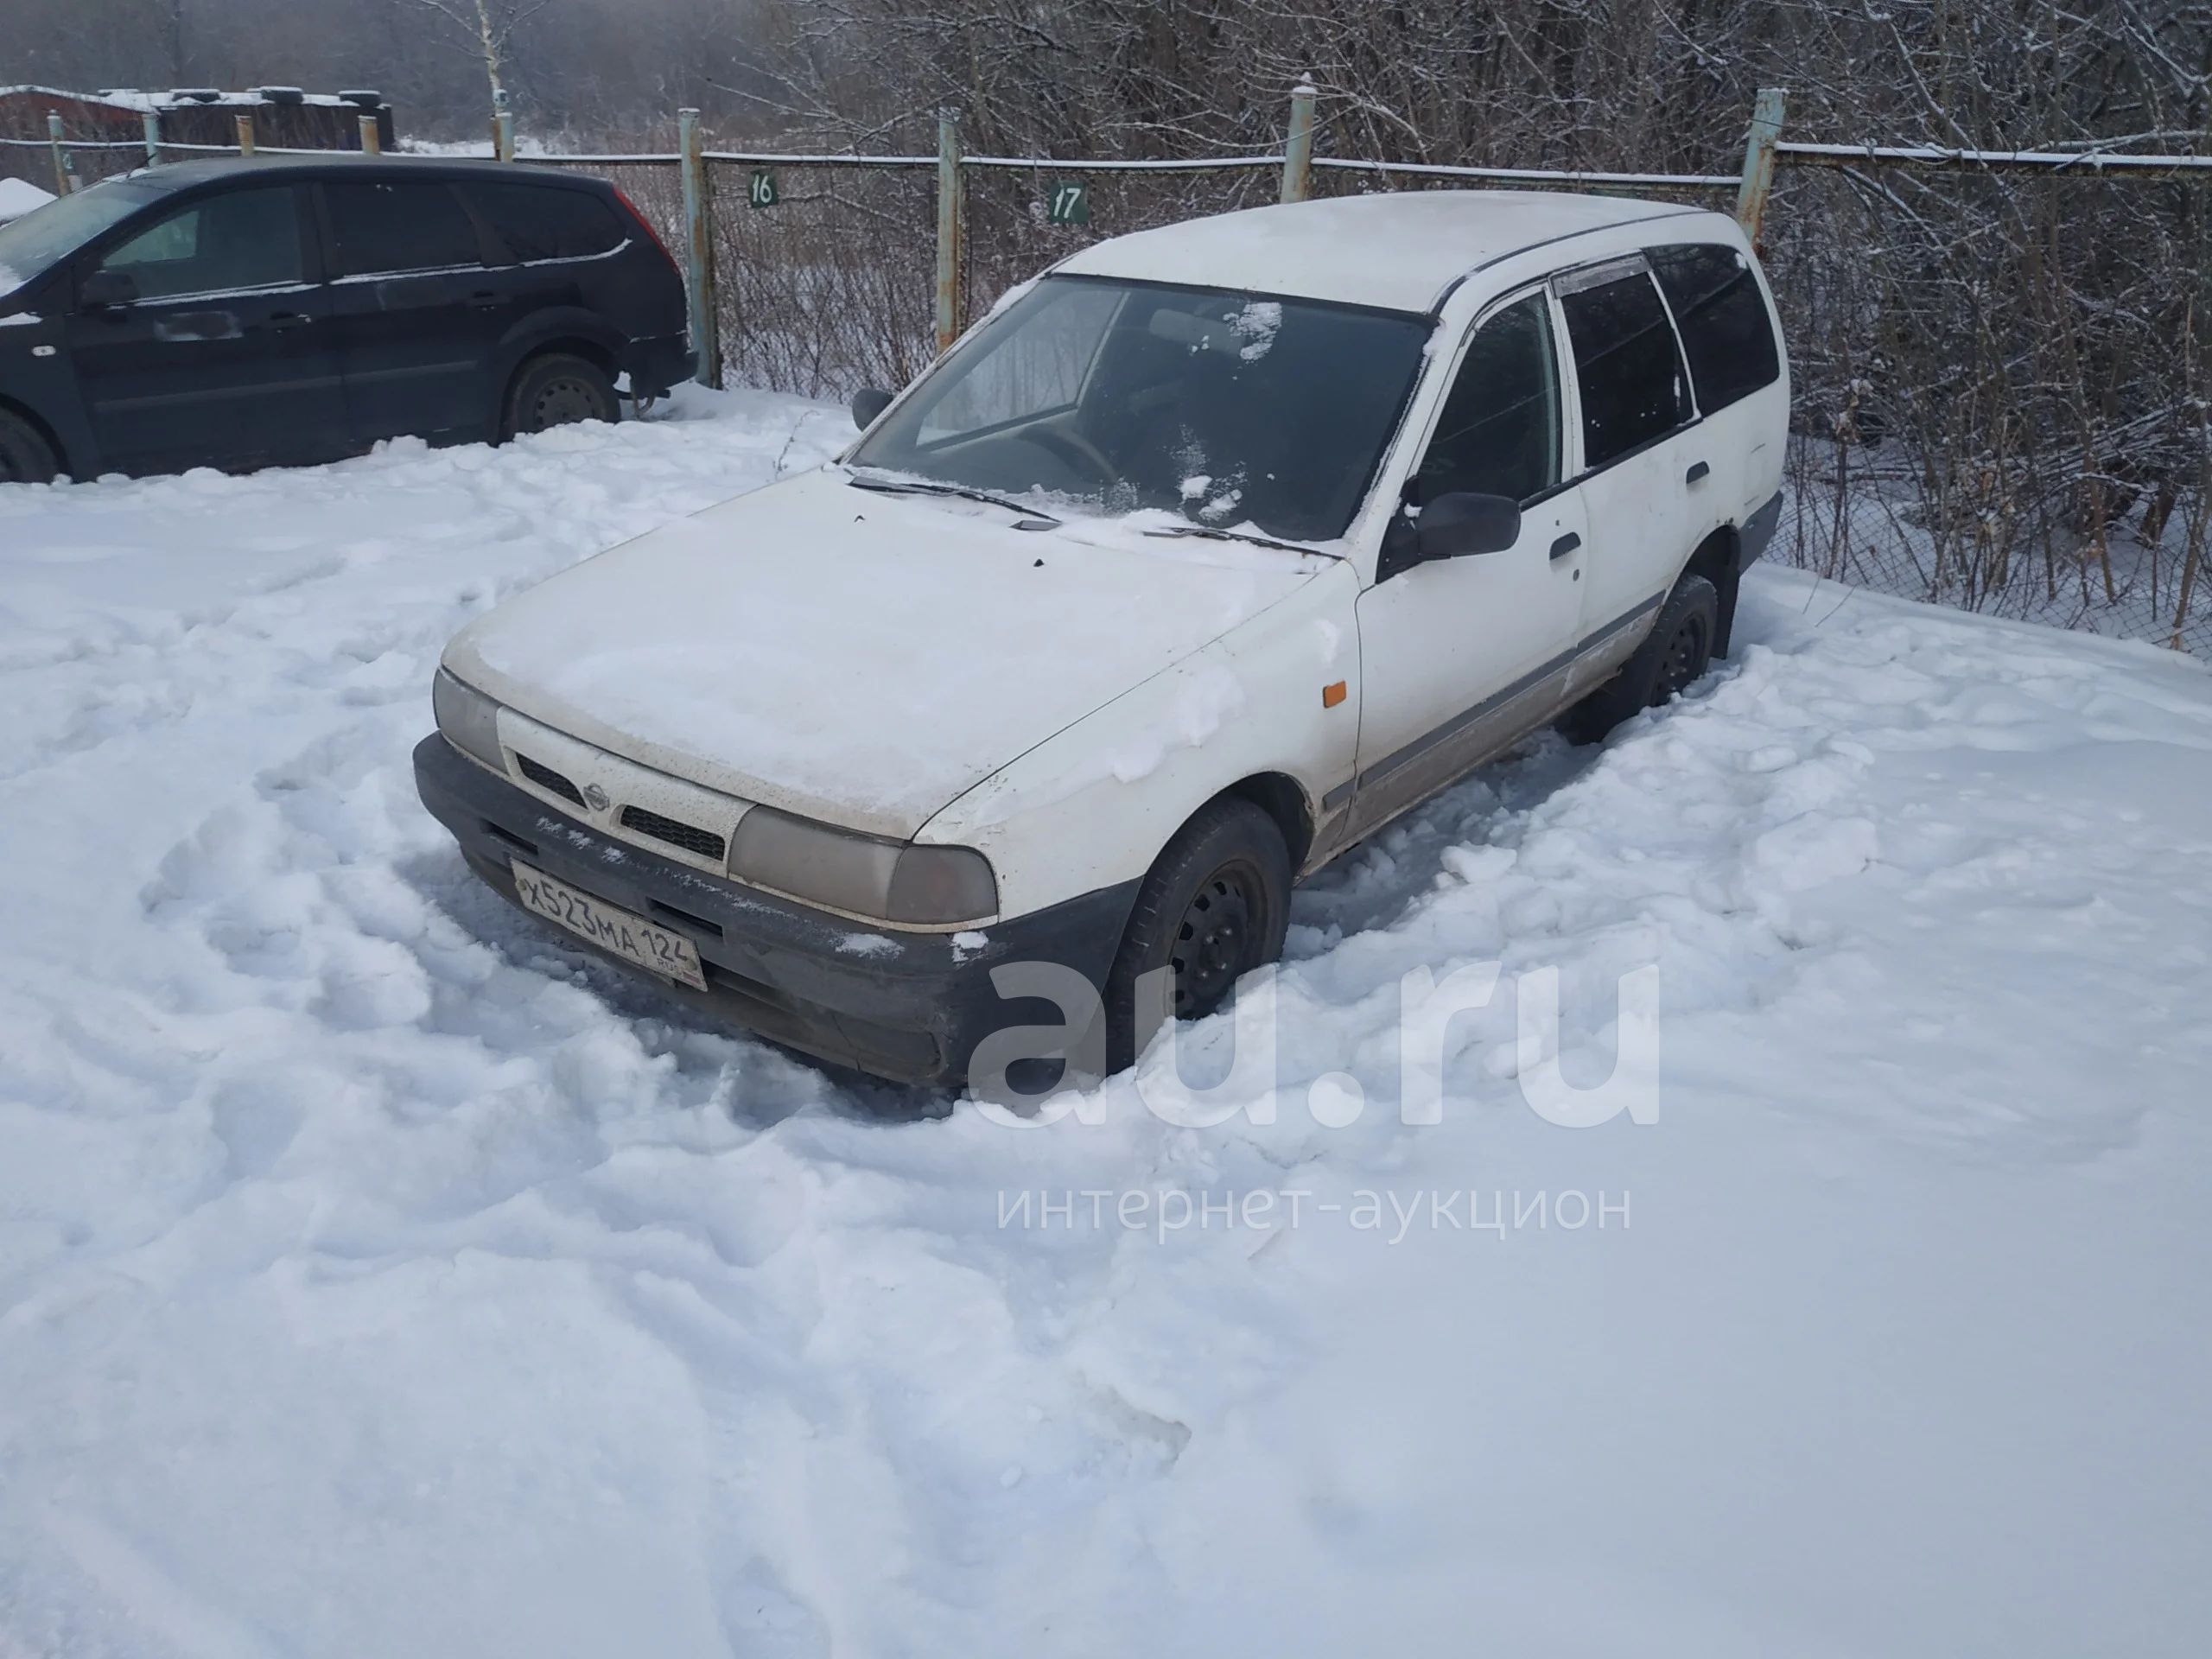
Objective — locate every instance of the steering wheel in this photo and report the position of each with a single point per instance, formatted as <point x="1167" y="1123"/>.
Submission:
<point x="1075" y="450"/>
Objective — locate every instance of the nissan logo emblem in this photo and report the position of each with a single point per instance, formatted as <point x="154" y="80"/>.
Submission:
<point x="596" y="799"/>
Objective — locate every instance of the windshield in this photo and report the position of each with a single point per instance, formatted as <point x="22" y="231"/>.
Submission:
<point x="29" y="245"/>
<point x="1113" y="397"/>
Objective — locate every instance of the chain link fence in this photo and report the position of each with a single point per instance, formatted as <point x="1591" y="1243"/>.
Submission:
<point x="1992" y="411"/>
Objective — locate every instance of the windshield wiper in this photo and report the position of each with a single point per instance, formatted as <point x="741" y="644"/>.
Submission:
<point x="1212" y="534"/>
<point x="924" y="486"/>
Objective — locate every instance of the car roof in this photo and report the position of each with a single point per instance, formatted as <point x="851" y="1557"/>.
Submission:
<point x="1401" y="252"/>
<point x="349" y="163"/>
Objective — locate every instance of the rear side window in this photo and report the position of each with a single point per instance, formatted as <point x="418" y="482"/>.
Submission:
<point x="1723" y="318"/>
<point x="546" y="222"/>
<point x="1625" y="363"/>
<point x="242" y="239"/>
<point x="1499" y="432"/>
<point x="381" y="228"/>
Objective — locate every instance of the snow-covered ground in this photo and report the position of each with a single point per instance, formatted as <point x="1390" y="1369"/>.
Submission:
<point x="376" y="1277"/>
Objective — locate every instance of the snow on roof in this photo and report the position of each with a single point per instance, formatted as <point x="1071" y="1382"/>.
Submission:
<point x="1396" y="250"/>
<point x="124" y="98"/>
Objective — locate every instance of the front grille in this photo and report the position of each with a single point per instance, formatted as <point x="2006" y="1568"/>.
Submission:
<point x="706" y="845"/>
<point x="546" y="778"/>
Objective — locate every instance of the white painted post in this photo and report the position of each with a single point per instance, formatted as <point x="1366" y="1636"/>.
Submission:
<point x="245" y="134"/>
<point x="699" y="251"/>
<point x="372" y="137"/>
<point x="1298" y="153"/>
<point x="151" y="121"/>
<point x="948" y="214"/>
<point x="1758" y="162"/>
<point x="62" y="182"/>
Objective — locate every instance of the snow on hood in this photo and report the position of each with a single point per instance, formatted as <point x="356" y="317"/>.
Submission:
<point x="854" y="657"/>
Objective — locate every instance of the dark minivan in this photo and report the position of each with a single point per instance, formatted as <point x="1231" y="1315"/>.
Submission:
<point x="242" y="314"/>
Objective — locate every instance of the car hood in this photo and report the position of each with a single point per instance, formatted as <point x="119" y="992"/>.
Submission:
<point x="857" y="657"/>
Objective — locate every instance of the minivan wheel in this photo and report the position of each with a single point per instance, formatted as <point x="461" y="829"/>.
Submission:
<point x="558" y="389"/>
<point x="1214" y="905"/>
<point x="25" y="456"/>
<point x="1672" y="657"/>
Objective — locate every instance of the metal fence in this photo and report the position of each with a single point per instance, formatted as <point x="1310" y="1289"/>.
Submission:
<point x="820" y="274"/>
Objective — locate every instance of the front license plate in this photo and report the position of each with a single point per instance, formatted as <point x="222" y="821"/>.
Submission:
<point x="621" y="932"/>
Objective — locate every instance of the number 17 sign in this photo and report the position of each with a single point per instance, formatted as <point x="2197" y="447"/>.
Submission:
<point x="1069" y="203"/>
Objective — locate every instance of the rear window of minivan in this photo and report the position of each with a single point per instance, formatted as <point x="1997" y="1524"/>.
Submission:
<point x="547" y="222"/>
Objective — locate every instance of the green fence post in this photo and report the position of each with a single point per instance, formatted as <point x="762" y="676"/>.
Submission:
<point x="948" y="215"/>
<point x="699" y="250"/>
<point x="1758" y="162"/>
<point x="1298" y="153"/>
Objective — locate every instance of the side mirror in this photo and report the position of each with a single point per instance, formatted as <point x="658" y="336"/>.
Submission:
<point x="1455" y="525"/>
<point x="105" y="290"/>
<point x="868" y="403"/>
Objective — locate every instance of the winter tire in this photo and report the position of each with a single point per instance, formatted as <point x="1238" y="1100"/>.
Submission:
<point x="1215" y="906"/>
<point x="1673" y="656"/>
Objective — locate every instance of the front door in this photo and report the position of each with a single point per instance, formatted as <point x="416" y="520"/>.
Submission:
<point x="226" y="355"/>
<point x="1459" y="657"/>
<point x="417" y="309"/>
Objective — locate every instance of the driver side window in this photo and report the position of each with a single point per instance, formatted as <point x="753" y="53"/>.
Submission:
<point x="1499" y="433"/>
<point x="244" y="238"/>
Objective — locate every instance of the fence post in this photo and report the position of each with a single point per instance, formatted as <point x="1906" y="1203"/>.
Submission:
<point x="503" y="136"/>
<point x="1298" y="153"/>
<point x="371" y="139"/>
<point x="151" y="120"/>
<point x="950" y="213"/>
<point x="699" y="246"/>
<point x="61" y="180"/>
<point x="1758" y="162"/>
<point x="245" y="135"/>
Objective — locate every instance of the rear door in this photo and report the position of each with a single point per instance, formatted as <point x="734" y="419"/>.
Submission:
<point x="416" y="308"/>
<point x="228" y="355"/>
<point x="1639" y="471"/>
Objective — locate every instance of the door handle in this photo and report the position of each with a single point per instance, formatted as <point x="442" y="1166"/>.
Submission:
<point x="1566" y="544"/>
<point x="290" y="320"/>
<point x="1698" y="469"/>
<point x="483" y="299"/>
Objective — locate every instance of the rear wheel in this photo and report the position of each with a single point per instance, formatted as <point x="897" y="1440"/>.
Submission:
<point x="1215" y="906"/>
<point x="558" y="389"/>
<point x="1673" y="656"/>
<point x="25" y="456"/>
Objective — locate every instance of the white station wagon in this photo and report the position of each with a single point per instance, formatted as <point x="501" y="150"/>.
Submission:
<point x="1203" y="556"/>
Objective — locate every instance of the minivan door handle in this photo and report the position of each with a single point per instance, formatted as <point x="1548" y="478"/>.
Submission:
<point x="290" y="319"/>
<point x="1566" y="544"/>
<point x="1698" y="469"/>
<point x="485" y="298"/>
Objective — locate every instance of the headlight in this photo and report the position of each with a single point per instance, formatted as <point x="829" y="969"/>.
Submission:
<point x="919" y="885"/>
<point x="468" y="718"/>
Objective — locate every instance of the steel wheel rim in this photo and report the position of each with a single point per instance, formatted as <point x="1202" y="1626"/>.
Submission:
<point x="1678" y="668"/>
<point x="1217" y="940"/>
<point x="563" y="402"/>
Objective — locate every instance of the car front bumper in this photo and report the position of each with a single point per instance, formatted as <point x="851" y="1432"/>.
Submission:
<point x="908" y="1007"/>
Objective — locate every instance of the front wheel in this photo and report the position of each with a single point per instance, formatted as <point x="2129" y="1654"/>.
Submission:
<point x="558" y="389"/>
<point x="1674" y="657"/>
<point x="1215" y="906"/>
<point x="25" y="456"/>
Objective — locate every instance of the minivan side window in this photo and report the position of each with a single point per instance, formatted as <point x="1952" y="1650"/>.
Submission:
<point x="1498" y="434"/>
<point x="385" y="228"/>
<point x="1723" y="318"/>
<point x="547" y="222"/>
<point x="1626" y="363"/>
<point x="242" y="239"/>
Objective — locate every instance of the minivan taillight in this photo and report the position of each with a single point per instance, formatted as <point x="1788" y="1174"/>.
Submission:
<point x="644" y="224"/>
